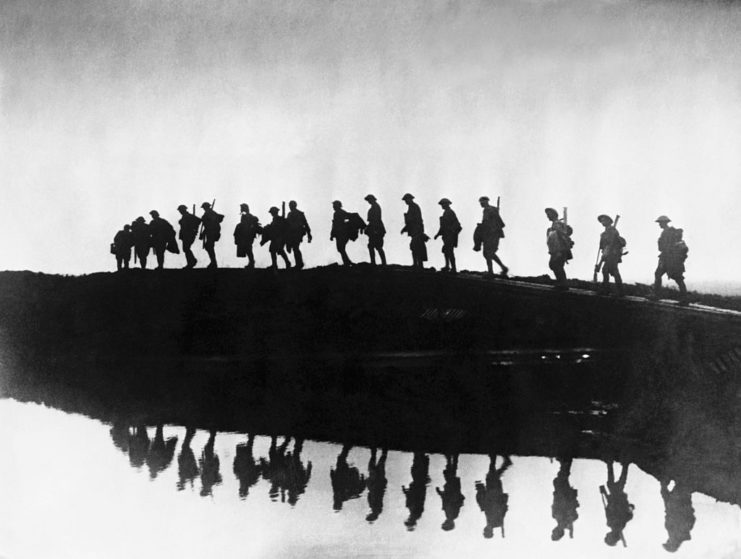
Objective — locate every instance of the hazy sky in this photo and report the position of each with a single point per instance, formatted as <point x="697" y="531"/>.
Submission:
<point x="109" y="109"/>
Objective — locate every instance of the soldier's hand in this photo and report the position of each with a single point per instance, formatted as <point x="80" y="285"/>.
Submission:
<point x="436" y="236"/>
<point x="309" y="237"/>
<point x="331" y="238"/>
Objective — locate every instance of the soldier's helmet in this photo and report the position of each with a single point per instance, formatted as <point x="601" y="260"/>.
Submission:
<point x="139" y="219"/>
<point x="604" y="219"/>
<point x="154" y="213"/>
<point x="273" y="210"/>
<point x="337" y="204"/>
<point x="407" y="196"/>
<point x="662" y="219"/>
<point x="444" y="202"/>
<point x="484" y="199"/>
<point x="182" y="208"/>
<point x="292" y="204"/>
<point x="206" y="206"/>
<point x="551" y="213"/>
<point x="370" y="198"/>
<point x="244" y="207"/>
<point x="127" y="227"/>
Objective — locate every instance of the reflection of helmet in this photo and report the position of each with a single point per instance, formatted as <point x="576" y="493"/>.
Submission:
<point x="603" y="218"/>
<point x="662" y="219"/>
<point x="407" y="196"/>
<point x="337" y="204"/>
<point x="551" y="213"/>
<point x="370" y="198"/>
<point x="557" y="533"/>
<point x="444" y="202"/>
<point x="244" y="207"/>
<point x="273" y="210"/>
<point x="484" y="199"/>
<point x="448" y="524"/>
<point x="182" y="208"/>
<point x="154" y="213"/>
<point x="612" y="538"/>
<point x="671" y="545"/>
<point x="205" y="205"/>
<point x="488" y="532"/>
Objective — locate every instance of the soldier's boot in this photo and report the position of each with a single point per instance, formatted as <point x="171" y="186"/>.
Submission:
<point x="489" y="267"/>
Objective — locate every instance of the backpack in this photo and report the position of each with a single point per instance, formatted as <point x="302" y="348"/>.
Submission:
<point x="354" y="225"/>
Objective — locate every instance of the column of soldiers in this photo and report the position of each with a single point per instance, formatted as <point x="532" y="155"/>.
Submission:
<point x="285" y="233"/>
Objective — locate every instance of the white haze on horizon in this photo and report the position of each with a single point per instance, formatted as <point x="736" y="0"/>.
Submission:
<point x="109" y="109"/>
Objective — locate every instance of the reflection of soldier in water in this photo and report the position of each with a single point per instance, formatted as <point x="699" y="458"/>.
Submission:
<point x="417" y="490"/>
<point x="138" y="446"/>
<point x="491" y="498"/>
<point x="679" y="514"/>
<point x="618" y="511"/>
<point x="120" y="436"/>
<point x="451" y="494"/>
<point x="347" y="481"/>
<point x="274" y="469"/>
<point x="564" y="502"/>
<point x="209" y="465"/>
<point x="245" y="467"/>
<point x="376" y="484"/>
<point x="187" y="466"/>
<point x="160" y="453"/>
<point x="298" y="474"/>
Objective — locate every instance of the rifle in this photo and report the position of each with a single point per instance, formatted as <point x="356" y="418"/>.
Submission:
<point x="283" y="208"/>
<point x="598" y="262"/>
<point x="497" y="202"/>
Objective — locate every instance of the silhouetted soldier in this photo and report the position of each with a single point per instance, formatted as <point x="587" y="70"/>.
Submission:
<point x="275" y="232"/>
<point x="275" y="468"/>
<point x="189" y="225"/>
<point x="491" y="498"/>
<point x="160" y="453"/>
<point x="297" y="228"/>
<point x="122" y="242"/>
<point x="375" y="230"/>
<point x="672" y="254"/>
<point x="559" y="247"/>
<point x="298" y="475"/>
<point x="187" y="465"/>
<point x="618" y="511"/>
<point x="138" y="446"/>
<point x="450" y="227"/>
<point x="611" y="245"/>
<point x="140" y="232"/>
<point x="209" y="466"/>
<point x="415" y="228"/>
<point x="340" y="231"/>
<point x="210" y="232"/>
<point x="417" y="491"/>
<point x="565" y="502"/>
<point x="245" y="467"/>
<point x="487" y="235"/>
<point x="162" y="235"/>
<point x="451" y="495"/>
<point x="347" y="481"/>
<point x="244" y="234"/>
<point x="376" y="483"/>
<point x="679" y="515"/>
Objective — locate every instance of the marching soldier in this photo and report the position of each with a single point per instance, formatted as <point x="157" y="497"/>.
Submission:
<point x="162" y="234"/>
<point x="122" y="243"/>
<point x="189" y="224"/>
<point x="245" y="233"/>
<point x="275" y="232"/>
<point x="450" y="227"/>
<point x="672" y="254"/>
<point x="611" y="244"/>
<point x="558" y="239"/>
<point x="297" y="227"/>
<point x="488" y="233"/>
<point x="339" y="233"/>
<point x="414" y="227"/>
<point x="375" y="230"/>
<point x="210" y="232"/>
<point x="140" y="232"/>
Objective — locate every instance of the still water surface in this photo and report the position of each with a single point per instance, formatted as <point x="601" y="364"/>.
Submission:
<point x="73" y="487"/>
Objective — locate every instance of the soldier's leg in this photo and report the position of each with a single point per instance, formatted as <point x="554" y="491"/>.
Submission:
<point x="250" y="257"/>
<point x="452" y="261"/>
<point x="298" y="256"/>
<point x="119" y="263"/>
<point x="660" y="270"/>
<point x="341" y="244"/>
<point x="372" y="253"/>
<point x="273" y="260"/>
<point x="383" y="256"/>
<point x="500" y="263"/>
<point x="489" y="266"/>
<point x="210" y="250"/>
<point x="160" y="253"/>
<point x="284" y="256"/>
